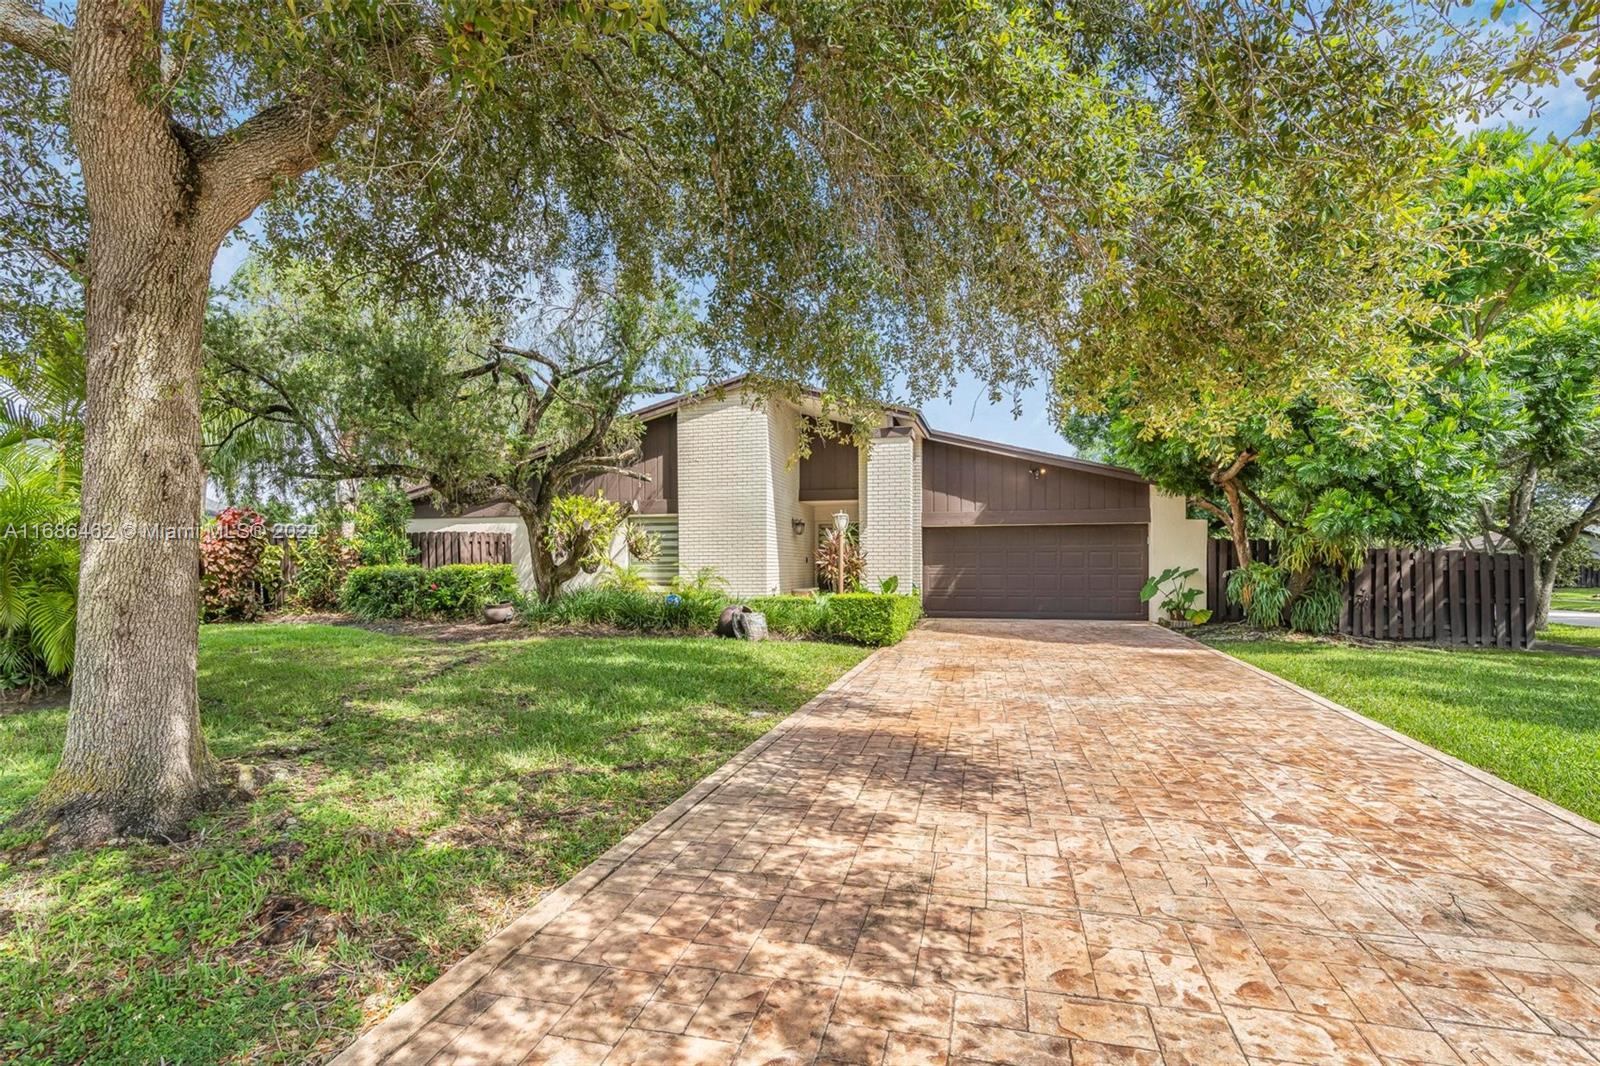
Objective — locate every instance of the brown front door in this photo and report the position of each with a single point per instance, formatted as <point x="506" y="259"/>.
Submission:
<point x="1034" y="571"/>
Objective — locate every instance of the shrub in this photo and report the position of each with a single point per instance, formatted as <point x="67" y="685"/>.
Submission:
<point x="689" y="610"/>
<point x="696" y="609"/>
<point x="1260" y="590"/>
<point x="230" y="560"/>
<point x="461" y="590"/>
<point x="793" y="616"/>
<point x="855" y="561"/>
<point x="864" y="617"/>
<point x="321" y="565"/>
<point x="628" y="576"/>
<point x="872" y="618"/>
<point x="269" y="572"/>
<point x="1319" y="606"/>
<point x="382" y="512"/>
<point x="374" y="592"/>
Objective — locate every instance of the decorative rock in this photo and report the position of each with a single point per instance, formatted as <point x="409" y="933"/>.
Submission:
<point x="741" y="623"/>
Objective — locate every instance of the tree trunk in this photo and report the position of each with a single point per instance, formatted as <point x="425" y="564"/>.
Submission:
<point x="134" y="761"/>
<point x="548" y="575"/>
<point x="1541" y="581"/>
<point x="545" y="582"/>
<point x="1238" y="527"/>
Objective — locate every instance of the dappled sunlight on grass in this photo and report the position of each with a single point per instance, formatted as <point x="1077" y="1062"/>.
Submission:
<point x="419" y="794"/>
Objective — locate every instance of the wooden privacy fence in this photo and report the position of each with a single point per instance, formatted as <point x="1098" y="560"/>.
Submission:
<point x="1457" y="598"/>
<point x="448" y="548"/>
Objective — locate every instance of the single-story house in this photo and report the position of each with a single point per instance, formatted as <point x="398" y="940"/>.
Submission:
<point x="981" y="528"/>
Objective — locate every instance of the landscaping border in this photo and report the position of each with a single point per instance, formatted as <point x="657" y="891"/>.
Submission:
<point x="388" y="1035"/>
<point x="1500" y="784"/>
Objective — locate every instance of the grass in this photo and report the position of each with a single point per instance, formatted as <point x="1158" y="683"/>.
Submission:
<point x="1557" y="633"/>
<point x="421" y="795"/>
<point x="1531" y="718"/>
<point x="1573" y="599"/>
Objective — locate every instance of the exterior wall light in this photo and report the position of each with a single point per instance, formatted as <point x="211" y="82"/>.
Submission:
<point x="798" y="525"/>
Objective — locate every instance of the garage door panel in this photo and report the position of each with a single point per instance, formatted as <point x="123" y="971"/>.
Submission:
<point x="1077" y="571"/>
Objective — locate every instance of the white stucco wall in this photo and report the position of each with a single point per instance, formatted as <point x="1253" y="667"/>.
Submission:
<point x="521" y="555"/>
<point x="1176" y="540"/>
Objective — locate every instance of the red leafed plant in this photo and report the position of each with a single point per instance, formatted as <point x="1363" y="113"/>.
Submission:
<point x="230" y="551"/>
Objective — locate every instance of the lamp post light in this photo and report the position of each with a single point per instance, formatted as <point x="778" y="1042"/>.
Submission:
<point x="841" y="522"/>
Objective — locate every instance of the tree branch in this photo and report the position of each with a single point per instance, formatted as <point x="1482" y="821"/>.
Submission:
<point x="1228" y="474"/>
<point x="1266" y="508"/>
<point x="239" y="168"/>
<point x="1206" y="505"/>
<point x="38" y="35"/>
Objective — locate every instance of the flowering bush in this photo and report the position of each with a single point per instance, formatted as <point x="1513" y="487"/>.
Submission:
<point x="230" y="560"/>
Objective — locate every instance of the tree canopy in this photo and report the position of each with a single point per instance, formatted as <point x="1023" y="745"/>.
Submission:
<point x="305" y="381"/>
<point x="855" y="193"/>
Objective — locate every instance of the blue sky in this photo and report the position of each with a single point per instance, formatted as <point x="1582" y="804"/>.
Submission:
<point x="966" y="409"/>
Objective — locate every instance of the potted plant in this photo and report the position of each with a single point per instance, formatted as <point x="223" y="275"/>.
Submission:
<point x="1177" y="597"/>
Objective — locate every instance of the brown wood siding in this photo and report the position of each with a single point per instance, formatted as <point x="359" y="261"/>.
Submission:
<point x="966" y="486"/>
<point x="424" y="508"/>
<point x="658" y="460"/>
<point x="833" y="469"/>
<point x="1067" y="571"/>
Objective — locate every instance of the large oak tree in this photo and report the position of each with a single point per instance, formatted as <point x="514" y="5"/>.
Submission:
<point x="861" y="190"/>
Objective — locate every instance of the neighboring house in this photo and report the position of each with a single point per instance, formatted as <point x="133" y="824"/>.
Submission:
<point x="981" y="528"/>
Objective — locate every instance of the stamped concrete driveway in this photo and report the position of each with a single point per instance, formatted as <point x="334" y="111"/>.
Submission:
<point x="1049" y="842"/>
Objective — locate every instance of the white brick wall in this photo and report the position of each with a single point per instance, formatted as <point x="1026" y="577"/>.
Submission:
<point x="727" y="516"/>
<point x="891" y="535"/>
<point x="793" y="552"/>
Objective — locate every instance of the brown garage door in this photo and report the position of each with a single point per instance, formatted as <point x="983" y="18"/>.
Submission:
<point x="1034" y="571"/>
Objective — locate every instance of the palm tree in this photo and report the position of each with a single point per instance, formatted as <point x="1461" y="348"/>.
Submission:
<point x="38" y="562"/>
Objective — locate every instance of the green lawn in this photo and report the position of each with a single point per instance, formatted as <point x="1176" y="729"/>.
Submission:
<point x="1575" y="600"/>
<point x="425" y="794"/>
<point x="1560" y="634"/>
<point x="1532" y="718"/>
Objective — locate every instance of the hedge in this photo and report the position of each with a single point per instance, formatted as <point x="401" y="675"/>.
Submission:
<point x="793" y="616"/>
<point x="403" y="591"/>
<point x="689" y="611"/>
<point x="373" y="592"/>
<point x="862" y="617"/>
<point x="873" y="617"/>
<point x="461" y="590"/>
